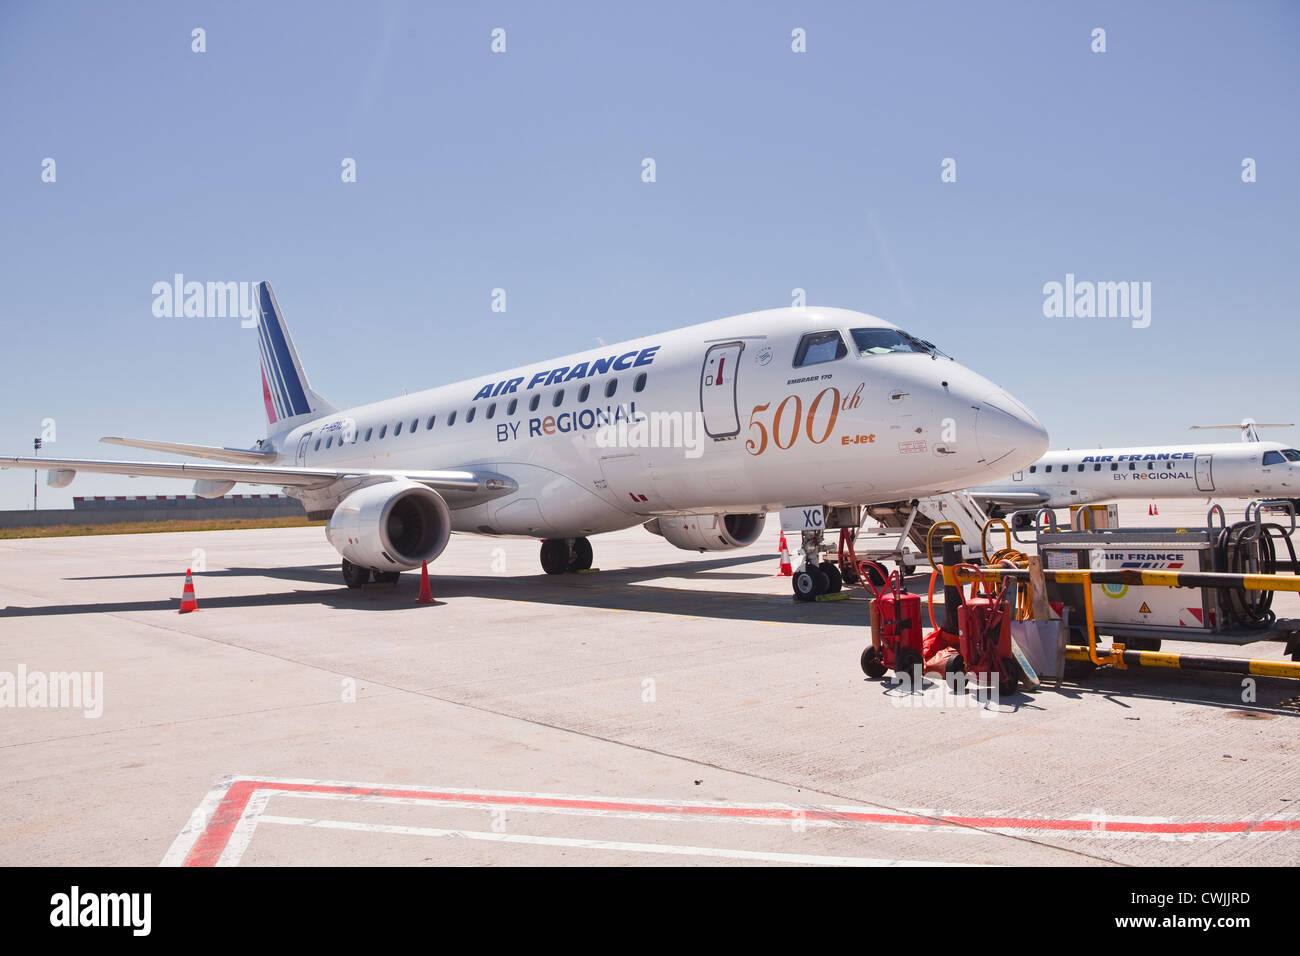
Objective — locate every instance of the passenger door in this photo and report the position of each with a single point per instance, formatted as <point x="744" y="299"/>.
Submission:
<point x="302" y="448"/>
<point x="718" y="390"/>
<point x="1204" y="472"/>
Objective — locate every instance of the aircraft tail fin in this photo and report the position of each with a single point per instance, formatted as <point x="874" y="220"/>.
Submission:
<point x="286" y="392"/>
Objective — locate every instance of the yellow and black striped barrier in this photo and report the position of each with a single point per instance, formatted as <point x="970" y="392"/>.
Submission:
<point x="1123" y="658"/>
<point x="1118" y="655"/>
<point x="1131" y="576"/>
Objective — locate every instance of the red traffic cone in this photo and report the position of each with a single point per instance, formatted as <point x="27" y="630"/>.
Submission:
<point x="426" y="592"/>
<point x="1151" y="509"/>
<point x="187" y="596"/>
<point x="786" y="570"/>
<point x="1155" y="509"/>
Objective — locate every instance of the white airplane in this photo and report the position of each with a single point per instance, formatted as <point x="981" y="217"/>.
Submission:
<point x="1247" y="469"/>
<point x="696" y="433"/>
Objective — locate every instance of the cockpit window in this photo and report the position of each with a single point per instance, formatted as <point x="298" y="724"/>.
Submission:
<point x="882" y="341"/>
<point x="1291" y="454"/>
<point x="818" y="347"/>
<point x="1273" y="458"/>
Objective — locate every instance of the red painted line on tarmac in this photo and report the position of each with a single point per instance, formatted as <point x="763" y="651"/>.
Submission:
<point x="216" y="835"/>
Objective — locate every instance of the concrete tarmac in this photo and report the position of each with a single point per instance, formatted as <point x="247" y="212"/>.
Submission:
<point x="672" y="708"/>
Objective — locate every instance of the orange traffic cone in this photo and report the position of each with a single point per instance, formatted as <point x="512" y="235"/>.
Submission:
<point x="187" y="596"/>
<point x="426" y="592"/>
<point x="786" y="570"/>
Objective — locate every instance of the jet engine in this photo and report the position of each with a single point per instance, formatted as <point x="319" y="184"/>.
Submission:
<point x="716" y="532"/>
<point x="391" y="526"/>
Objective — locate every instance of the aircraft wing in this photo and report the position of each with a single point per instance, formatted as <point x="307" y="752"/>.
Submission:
<point x="478" y="485"/>
<point x="242" y="456"/>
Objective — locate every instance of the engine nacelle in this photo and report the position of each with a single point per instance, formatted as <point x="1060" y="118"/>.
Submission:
<point x="716" y="532"/>
<point x="392" y="526"/>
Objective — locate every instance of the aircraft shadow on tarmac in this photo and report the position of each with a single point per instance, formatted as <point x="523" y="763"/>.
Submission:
<point x="609" y="590"/>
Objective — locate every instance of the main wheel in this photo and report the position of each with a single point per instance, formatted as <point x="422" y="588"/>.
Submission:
<point x="834" y="580"/>
<point x="871" y="665"/>
<point x="386" y="577"/>
<point x="555" y="556"/>
<point x="355" y="576"/>
<point x="875" y="577"/>
<point x="582" y="556"/>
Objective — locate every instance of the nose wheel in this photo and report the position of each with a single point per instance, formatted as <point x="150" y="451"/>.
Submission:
<point x="566" y="555"/>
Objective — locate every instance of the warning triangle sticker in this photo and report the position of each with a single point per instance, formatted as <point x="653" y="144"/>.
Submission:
<point x="1144" y="609"/>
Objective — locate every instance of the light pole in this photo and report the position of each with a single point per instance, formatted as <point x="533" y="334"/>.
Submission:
<point x="36" y="445"/>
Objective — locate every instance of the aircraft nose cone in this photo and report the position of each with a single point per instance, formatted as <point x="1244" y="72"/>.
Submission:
<point x="1008" y="434"/>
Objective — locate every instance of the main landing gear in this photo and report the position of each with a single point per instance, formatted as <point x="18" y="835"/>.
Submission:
<point x="566" y="555"/>
<point x="355" y="576"/>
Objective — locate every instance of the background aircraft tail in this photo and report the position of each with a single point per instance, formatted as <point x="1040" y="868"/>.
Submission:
<point x="286" y="392"/>
<point x="1248" y="428"/>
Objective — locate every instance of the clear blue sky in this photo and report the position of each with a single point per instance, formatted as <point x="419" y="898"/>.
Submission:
<point x="522" y="170"/>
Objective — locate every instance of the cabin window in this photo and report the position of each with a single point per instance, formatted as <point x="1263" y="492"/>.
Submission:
<point x="510" y="409"/>
<point x="1132" y="466"/>
<point x="639" y="384"/>
<point x="428" y="426"/>
<point x="469" y="415"/>
<point x="1048" y="469"/>
<point x="559" y="397"/>
<point x="316" y="447"/>
<point x="817" y="347"/>
<point x="451" y="419"/>
<point x="583" y="393"/>
<point x="1081" y="468"/>
<point x="329" y="442"/>
<point x="415" y="424"/>
<point x="397" y="429"/>
<point x="1114" y="466"/>
<point x="534" y="402"/>
<point x="492" y="410"/>
<point x="611" y="387"/>
<point x="369" y="431"/>
<point x="383" y="430"/>
<point x="1032" y="469"/>
<point x="1096" y="467"/>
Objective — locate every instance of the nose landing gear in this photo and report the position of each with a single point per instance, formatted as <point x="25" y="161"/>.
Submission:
<point x="566" y="555"/>
<point x="815" y="577"/>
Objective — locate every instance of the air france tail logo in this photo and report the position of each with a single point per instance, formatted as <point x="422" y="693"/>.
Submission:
<point x="281" y="384"/>
<point x="557" y="376"/>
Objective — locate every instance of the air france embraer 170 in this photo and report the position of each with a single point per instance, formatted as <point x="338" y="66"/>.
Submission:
<point x="695" y="433"/>
<point x="1247" y="469"/>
